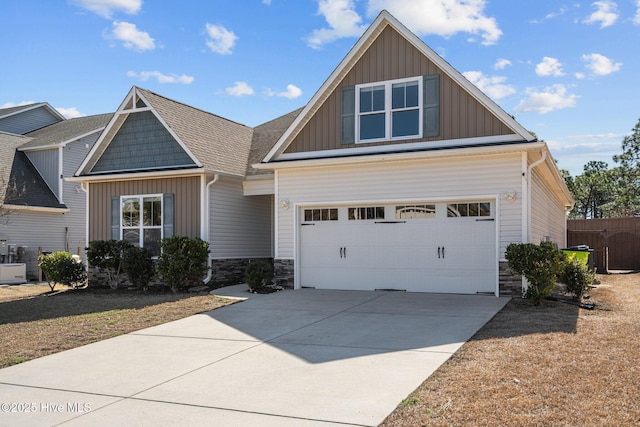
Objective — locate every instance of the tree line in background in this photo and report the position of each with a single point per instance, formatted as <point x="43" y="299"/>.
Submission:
<point x="603" y="192"/>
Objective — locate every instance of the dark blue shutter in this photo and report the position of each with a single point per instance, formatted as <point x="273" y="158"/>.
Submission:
<point x="167" y="215"/>
<point x="431" y="105"/>
<point x="348" y="109"/>
<point x="115" y="218"/>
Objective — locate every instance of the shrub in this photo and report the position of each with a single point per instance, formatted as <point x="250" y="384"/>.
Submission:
<point x="183" y="261"/>
<point x="60" y="267"/>
<point x="109" y="255"/>
<point x="577" y="277"/>
<point x="540" y="264"/>
<point x="258" y="275"/>
<point x="138" y="264"/>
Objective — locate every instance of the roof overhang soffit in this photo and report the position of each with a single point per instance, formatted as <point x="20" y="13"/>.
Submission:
<point x="383" y="20"/>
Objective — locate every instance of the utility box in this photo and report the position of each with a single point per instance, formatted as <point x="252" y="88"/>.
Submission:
<point x="13" y="274"/>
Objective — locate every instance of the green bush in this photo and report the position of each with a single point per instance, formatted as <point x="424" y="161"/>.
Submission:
<point x="109" y="255"/>
<point x="540" y="264"/>
<point x="577" y="277"/>
<point x="138" y="264"/>
<point x="183" y="261"/>
<point x="258" y="274"/>
<point x="60" y="267"/>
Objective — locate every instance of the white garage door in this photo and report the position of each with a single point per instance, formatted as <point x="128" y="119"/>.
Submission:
<point x="420" y="247"/>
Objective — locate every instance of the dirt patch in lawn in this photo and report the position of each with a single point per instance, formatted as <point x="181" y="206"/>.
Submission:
<point x="551" y="365"/>
<point x="35" y="322"/>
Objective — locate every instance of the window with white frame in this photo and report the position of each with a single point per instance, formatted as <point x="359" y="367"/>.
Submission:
<point x="389" y="110"/>
<point x="141" y="222"/>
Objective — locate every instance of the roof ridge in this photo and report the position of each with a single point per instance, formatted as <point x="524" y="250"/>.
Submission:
<point x="192" y="107"/>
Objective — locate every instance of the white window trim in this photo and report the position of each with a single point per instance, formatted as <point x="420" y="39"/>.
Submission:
<point x="388" y="110"/>
<point x="141" y="227"/>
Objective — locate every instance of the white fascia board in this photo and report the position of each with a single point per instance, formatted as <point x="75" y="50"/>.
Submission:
<point x="35" y="209"/>
<point x="401" y="156"/>
<point x="62" y="143"/>
<point x="409" y="146"/>
<point x="137" y="175"/>
<point x="38" y="105"/>
<point x="374" y="29"/>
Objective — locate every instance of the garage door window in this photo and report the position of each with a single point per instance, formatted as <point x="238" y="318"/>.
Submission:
<point x="325" y="214"/>
<point x="415" y="211"/>
<point x="474" y="209"/>
<point x="374" y="212"/>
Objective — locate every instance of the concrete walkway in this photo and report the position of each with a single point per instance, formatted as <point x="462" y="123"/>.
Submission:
<point x="294" y="358"/>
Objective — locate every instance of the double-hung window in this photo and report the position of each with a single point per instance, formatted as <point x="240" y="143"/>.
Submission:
<point x="141" y="221"/>
<point x="389" y="110"/>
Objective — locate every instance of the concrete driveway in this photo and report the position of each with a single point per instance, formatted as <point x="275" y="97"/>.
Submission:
<point x="294" y="358"/>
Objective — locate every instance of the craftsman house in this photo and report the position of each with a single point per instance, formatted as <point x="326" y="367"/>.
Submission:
<point x="398" y="174"/>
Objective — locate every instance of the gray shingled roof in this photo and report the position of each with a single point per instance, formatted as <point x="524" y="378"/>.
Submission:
<point x="66" y="130"/>
<point x="220" y="144"/>
<point x="26" y="187"/>
<point x="8" y="145"/>
<point x="265" y="137"/>
<point x="10" y="110"/>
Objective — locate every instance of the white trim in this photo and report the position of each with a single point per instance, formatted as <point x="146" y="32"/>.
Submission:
<point x="62" y="143"/>
<point x="135" y="176"/>
<point x="35" y="208"/>
<point x="425" y="145"/>
<point x="463" y="151"/>
<point x="141" y="227"/>
<point x="60" y="176"/>
<point x="276" y="217"/>
<point x="356" y="52"/>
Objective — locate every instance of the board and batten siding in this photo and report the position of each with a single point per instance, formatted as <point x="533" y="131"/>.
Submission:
<point x="392" y="57"/>
<point x="548" y="215"/>
<point x="47" y="162"/>
<point x="239" y="226"/>
<point x="410" y="180"/>
<point x="186" y="203"/>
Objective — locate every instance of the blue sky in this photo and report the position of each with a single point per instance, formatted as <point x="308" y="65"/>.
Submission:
<point x="570" y="72"/>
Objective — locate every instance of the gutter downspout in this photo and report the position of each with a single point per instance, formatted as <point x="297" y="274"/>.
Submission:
<point x="207" y="218"/>
<point x="525" y="283"/>
<point x="529" y="179"/>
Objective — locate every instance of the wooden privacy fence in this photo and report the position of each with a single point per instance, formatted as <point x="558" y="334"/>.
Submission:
<point x="615" y="241"/>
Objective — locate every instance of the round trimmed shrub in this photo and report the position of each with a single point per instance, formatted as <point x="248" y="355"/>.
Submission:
<point x="258" y="275"/>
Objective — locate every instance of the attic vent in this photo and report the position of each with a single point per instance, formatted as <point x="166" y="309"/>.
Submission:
<point x="140" y="104"/>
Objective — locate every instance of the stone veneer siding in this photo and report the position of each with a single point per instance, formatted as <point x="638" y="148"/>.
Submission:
<point x="283" y="273"/>
<point x="510" y="283"/>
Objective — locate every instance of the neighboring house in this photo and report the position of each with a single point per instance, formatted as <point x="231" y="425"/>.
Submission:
<point x="42" y="212"/>
<point x="398" y="174"/>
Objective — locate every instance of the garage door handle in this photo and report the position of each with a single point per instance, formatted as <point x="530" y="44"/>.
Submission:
<point x="485" y="219"/>
<point x="345" y="252"/>
<point x="341" y="252"/>
<point x="438" y="252"/>
<point x="443" y="252"/>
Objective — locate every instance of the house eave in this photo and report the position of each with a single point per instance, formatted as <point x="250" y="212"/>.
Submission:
<point x="35" y="209"/>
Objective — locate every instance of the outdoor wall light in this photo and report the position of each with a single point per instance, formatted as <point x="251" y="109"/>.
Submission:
<point x="284" y="203"/>
<point x="510" y="196"/>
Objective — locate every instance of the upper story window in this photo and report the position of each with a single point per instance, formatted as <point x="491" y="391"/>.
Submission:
<point x="389" y="110"/>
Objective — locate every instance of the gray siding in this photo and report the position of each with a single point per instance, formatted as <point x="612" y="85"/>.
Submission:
<point x="142" y="142"/>
<point x="548" y="217"/>
<point x="27" y="121"/>
<point x="240" y="226"/>
<point x="47" y="164"/>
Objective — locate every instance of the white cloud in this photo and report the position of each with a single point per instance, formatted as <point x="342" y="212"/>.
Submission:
<point x="16" y="104"/>
<point x="131" y="37"/>
<point x="580" y="76"/>
<point x="606" y="14"/>
<point x="343" y="21"/>
<point x="220" y="40"/>
<point x="267" y="2"/>
<point x="636" y="17"/>
<point x="442" y="17"/>
<point x="600" y="65"/>
<point x="239" y="89"/>
<point x="491" y="85"/>
<point x="501" y="64"/>
<point x="549" y="67"/>
<point x="70" y="113"/>
<point x="162" y="78"/>
<point x="560" y="12"/>
<point x="106" y="8"/>
<point x="292" y="92"/>
<point x="551" y="98"/>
